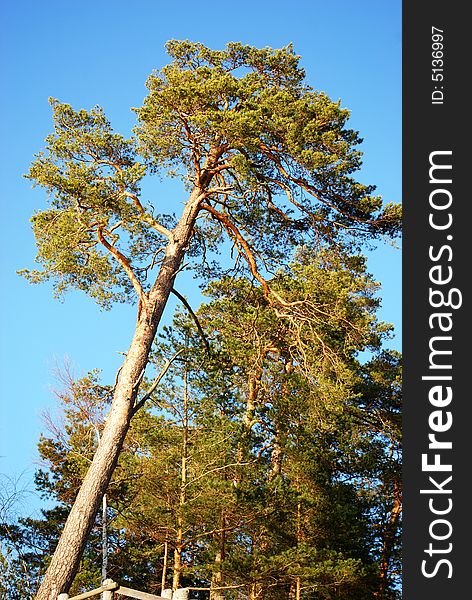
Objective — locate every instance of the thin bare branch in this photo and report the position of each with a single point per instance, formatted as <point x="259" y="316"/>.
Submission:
<point x="195" y="318"/>
<point x="155" y="383"/>
<point x="236" y="464"/>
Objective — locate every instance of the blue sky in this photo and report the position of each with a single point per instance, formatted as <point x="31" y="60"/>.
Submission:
<point x="88" y="53"/>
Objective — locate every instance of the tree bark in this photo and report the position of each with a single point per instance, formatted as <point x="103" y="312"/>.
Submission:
<point x="299" y="540"/>
<point x="388" y="540"/>
<point x="253" y="385"/>
<point x="104" y="537"/>
<point x="66" y="558"/>
<point x="255" y="591"/>
<point x="164" y="567"/>
<point x="276" y="456"/>
<point x="177" y="571"/>
<point x="182" y="493"/>
<point x="216" y="580"/>
<point x="217" y="577"/>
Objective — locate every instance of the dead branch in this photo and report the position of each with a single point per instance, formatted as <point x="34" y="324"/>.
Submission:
<point x="195" y="319"/>
<point x="156" y="382"/>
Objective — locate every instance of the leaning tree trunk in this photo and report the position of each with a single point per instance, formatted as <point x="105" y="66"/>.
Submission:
<point x="65" y="561"/>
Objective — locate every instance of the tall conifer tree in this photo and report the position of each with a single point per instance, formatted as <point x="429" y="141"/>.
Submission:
<point x="266" y="161"/>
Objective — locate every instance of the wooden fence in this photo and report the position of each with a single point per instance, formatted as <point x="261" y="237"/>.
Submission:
<point x="109" y="588"/>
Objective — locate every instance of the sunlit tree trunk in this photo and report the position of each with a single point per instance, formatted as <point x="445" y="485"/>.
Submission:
<point x="182" y="492"/>
<point x="104" y="537"/>
<point x="276" y="456"/>
<point x="254" y="382"/>
<point x="66" y="558"/>
<point x="177" y="571"/>
<point x="299" y="539"/>
<point x="164" y="566"/>
<point x="253" y="386"/>
<point x="217" y="577"/>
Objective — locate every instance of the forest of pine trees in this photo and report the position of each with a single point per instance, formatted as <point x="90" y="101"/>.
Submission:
<point x="266" y="462"/>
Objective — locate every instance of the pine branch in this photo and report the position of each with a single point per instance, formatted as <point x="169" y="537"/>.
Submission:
<point x="246" y="251"/>
<point x="195" y="318"/>
<point x="125" y="264"/>
<point x="156" y="382"/>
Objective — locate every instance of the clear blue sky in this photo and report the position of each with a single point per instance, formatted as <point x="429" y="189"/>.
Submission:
<point x="101" y="52"/>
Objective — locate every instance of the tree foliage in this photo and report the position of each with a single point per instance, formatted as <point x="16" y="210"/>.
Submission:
<point x="276" y="158"/>
<point x="277" y="452"/>
<point x="268" y="168"/>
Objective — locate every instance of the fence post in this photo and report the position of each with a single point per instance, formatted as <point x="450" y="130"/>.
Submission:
<point x="181" y="594"/>
<point x="63" y="597"/>
<point x="107" y="594"/>
<point x="167" y="593"/>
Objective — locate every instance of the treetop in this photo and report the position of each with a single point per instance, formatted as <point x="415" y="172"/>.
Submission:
<point x="270" y="160"/>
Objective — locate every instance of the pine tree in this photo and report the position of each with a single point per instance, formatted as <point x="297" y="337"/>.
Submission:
<point x="266" y="161"/>
<point x="256" y="465"/>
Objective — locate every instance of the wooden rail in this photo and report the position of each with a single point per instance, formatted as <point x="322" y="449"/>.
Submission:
<point x="111" y="587"/>
<point x="136" y="594"/>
